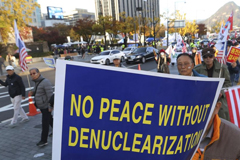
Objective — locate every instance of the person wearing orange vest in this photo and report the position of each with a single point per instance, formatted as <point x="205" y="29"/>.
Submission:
<point x="220" y="141"/>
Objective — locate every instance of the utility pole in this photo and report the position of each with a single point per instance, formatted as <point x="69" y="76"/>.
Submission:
<point x="154" y="26"/>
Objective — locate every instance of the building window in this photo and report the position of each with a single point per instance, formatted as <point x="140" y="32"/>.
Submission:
<point x="34" y="20"/>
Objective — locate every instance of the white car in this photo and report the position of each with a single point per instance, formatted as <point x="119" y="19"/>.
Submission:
<point x="106" y="57"/>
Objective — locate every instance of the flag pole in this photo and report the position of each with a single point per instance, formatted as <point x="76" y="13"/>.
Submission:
<point x="28" y="79"/>
<point x="222" y="59"/>
<point x="224" y="50"/>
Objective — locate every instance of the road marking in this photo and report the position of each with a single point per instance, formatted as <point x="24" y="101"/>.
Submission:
<point x="10" y="106"/>
<point x="3" y="93"/>
<point x="2" y="87"/>
<point x="27" y="89"/>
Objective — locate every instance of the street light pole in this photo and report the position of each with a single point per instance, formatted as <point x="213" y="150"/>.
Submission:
<point x="167" y="32"/>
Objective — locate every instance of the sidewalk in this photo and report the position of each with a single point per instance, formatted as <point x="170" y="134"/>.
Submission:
<point x="19" y="143"/>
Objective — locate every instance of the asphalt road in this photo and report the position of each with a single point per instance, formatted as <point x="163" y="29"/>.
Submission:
<point x="6" y="109"/>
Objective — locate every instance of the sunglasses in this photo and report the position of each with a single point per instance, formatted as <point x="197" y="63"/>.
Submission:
<point x="208" y="55"/>
<point x="33" y="74"/>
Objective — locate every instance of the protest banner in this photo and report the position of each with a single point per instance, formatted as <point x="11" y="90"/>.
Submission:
<point x="233" y="54"/>
<point x="50" y="62"/>
<point x="117" y="113"/>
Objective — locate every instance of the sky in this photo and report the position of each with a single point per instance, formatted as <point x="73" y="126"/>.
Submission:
<point x="194" y="9"/>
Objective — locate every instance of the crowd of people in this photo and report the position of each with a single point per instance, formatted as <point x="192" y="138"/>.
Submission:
<point x="220" y="134"/>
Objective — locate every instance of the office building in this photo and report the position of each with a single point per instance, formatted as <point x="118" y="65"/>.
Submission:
<point x="132" y="8"/>
<point x="46" y="22"/>
<point x="36" y="16"/>
<point x="73" y="16"/>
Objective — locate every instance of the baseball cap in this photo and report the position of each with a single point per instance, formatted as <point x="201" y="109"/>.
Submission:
<point x="208" y="51"/>
<point x="116" y="58"/>
<point x="9" y="68"/>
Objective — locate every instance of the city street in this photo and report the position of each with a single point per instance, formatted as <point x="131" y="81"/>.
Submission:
<point x="6" y="108"/>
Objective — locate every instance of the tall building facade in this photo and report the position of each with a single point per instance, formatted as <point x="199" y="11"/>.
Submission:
<point x="77" y="14"/>
<point x="132" y="8"/>
<point x="36" y="16"/>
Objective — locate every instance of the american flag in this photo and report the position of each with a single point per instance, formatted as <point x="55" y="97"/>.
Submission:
<point x="22" y="55"/>
<point x="233" y="99"/>
<point x="22" y="48"/>
<point x="220" y="59"/>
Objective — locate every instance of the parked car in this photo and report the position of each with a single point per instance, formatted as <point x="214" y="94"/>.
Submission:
<point x="128" y="50"/>
<point x="141" y="54"/>
<point x="106" y="57"/>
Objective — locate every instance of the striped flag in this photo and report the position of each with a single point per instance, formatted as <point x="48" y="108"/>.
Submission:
<point x="22" y="48"/>
<point x="220" y="59"/>
<point x="22" y="55"/>
<point x="233" y="99"/>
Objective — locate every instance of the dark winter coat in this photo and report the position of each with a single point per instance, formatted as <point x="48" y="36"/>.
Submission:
<point x="15" y="85"/>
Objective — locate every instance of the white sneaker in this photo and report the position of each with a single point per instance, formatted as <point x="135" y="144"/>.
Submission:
<point x="24" y="120"/>
<point x="12" y="125"/>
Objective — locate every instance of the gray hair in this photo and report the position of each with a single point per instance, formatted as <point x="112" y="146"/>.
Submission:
<point x="36" y="69"/>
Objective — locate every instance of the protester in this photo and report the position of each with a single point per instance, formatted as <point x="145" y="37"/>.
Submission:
<point x="117" y="62"/>
<point x="211" y="67"/>
<point x="16" y="90"/>
<point x="233" y="69"/>
<point x="221" y="139"/>
<point x="13" y="58"/>
<point x="98" y="49"/>
<point x="42" y="94"/>
<point x="83" y="52"/>
<point x="185" y="65"/>
<point x="9" y="59"/>
<point x="162" y="61"/>
<point x="196" y="56"/>
<point x="220" y="135"/>
<point x="1" y="64"/>
<point x="236" y="78"/>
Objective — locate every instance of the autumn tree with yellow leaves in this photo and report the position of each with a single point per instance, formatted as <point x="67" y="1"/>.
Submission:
<point x="21" y="11"/>
<point x="216" y="28"/>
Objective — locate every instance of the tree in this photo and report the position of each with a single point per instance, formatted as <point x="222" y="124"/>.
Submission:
<point x="113" y="29"/>
<point x="145" y="28"/>
<point x="126" y="24"/>
<point x="84" y="28"/>
<point x="160" y="30"/>
<point x="63" y="29"/>
<point x="20" y="10"/>
<point x="74" y="35"/>
<point x="202" y="29"/>
<point x="49" y="34"/>
<point x="216" y="28"/>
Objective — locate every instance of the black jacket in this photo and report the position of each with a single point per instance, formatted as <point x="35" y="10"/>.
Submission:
<point x="233" y="70"/>
<point x="15" y="85"/>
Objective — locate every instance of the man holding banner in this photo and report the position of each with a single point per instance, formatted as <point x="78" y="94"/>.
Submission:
<point x="211" y="68"/>
<point x="221" y="139"/>
<point x="218" y="130"/>
<point x="232" y="61"/>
